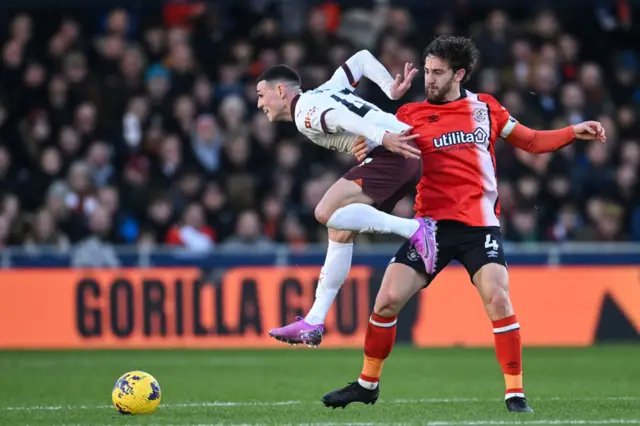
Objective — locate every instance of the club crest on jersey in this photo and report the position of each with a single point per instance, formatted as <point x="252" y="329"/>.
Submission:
<point x="307" y="118"/>
<point x="479" y="115"/>
<point x="479" y="136"/>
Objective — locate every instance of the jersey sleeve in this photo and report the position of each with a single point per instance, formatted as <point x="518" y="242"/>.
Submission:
<point x="362" y="64"/>
<point x="540" y="141"/>
<point x="506" y="123"/>
<point x="314" y="117"/>
<point x="344" y="120"/>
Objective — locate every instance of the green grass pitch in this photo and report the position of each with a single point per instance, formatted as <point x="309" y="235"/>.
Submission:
<point x="437" y="387"/>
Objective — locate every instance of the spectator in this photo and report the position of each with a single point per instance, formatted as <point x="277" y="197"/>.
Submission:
<point x="95" y="251"/>
<point x="45" y="233"/>
<point x="144" y="131"/>
<point x="99" y="162"/>
<point x="249" y="234"/>
<point x="192" y="233"/>
<point x="206" y="143"/>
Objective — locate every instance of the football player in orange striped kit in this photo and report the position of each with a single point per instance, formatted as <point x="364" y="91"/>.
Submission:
<point x="458" y="130"/>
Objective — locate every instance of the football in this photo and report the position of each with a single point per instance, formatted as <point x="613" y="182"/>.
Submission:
<point x="136" y="392"/>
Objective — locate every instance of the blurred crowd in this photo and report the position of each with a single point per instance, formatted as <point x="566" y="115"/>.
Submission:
<point x="142" y="128"/>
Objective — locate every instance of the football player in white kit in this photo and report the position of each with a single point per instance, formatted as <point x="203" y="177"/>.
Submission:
<point x="334" y="117"/>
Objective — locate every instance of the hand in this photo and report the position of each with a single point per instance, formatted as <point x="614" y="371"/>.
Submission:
<point x="360" y="148"/>
<point x="400" y="84"/>
<point x="590" y="130"/>
<point x="399" y="143"/>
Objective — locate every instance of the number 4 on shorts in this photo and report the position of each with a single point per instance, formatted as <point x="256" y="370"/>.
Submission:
<point x="490" y="243"/>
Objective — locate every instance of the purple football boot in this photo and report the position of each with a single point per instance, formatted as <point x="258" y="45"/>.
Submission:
<point x="424" y="241"/>
<point x="299" y="332"/>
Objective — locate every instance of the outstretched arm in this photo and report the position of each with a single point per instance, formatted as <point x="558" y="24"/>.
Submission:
<point x="541" y="141"/>
<point x="395" y="142"/>
<point x="335" y="121"/>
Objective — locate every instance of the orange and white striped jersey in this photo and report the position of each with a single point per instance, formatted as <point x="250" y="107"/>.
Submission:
<point x="459" y="180"/>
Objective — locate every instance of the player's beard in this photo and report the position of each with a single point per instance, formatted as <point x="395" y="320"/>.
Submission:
<point x="440" y="94"/>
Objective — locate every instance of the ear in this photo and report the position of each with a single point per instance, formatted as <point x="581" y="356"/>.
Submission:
<point x="460" y="74"/>
<point x="282" y="90"/>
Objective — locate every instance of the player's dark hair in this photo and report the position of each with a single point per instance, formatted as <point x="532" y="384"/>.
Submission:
<point x="460" y="52"/>
<point x="280" y="73"/>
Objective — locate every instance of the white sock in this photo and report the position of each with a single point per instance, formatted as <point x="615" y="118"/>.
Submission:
<point x="367" y="385"/>
<point x="364" y="218"/>
<point x="334" y="273"/>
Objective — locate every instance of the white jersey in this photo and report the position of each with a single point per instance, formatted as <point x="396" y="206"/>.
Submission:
<point x="333" y="117"/>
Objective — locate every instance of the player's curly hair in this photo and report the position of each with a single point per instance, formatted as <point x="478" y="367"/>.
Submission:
<point x="460" y="52"/>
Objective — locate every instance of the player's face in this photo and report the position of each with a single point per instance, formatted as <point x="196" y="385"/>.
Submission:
<point x="271" y="99"/>
<point x="440" y="80"/>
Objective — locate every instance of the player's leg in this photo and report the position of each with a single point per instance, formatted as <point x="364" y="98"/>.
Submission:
<point x="383" y="185"/>
<point x="384" y="193"/>
<point x="338" y="261"/>
<point x="309" y="330"/>
<point x="404" y="277"/>
<point x="492" y="282"/>
<point x="346" y="207"/>
<point x="363" y="198"/>
<point x="484" y="260"/>
<point x="399" y="284"/>
<point x="334" y="273"/>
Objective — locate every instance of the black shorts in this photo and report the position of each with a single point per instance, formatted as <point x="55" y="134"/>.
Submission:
<point x="472" y="246"/>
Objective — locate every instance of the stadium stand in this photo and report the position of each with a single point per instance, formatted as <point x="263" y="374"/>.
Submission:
<point x="125" y="127"/>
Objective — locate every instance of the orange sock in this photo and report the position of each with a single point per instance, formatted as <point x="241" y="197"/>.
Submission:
<point x="506" y="334"/>
<point x="378" y="342"/>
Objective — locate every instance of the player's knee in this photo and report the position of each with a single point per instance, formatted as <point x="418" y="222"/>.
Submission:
<point x="323" y="213"/>
<point x="498" y="302"/>
<point x="388" y="303"/>
<point x="492" y="281"/>
<point x="386" y="311"/>
<point x="498" y="298"/>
